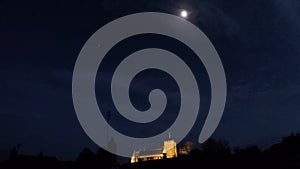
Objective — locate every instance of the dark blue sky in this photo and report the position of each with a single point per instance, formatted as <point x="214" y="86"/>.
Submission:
<point x="258" y="43"/>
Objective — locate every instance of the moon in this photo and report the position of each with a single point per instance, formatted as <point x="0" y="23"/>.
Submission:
<point x="184" y="13"/>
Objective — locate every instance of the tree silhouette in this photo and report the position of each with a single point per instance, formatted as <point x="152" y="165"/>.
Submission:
<point x="216" y="148"/>
<point x="13" y="153"/>
<point x="87" y="157"/>
<point x="101" y="158"/>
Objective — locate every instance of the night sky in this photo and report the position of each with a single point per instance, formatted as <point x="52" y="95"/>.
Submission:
<point x="257" y="41"/>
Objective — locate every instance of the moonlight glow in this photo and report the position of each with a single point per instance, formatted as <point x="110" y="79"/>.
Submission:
<point x="184" y="13"/>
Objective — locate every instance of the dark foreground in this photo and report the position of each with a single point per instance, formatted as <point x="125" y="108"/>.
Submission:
<point x="213" y="155"/>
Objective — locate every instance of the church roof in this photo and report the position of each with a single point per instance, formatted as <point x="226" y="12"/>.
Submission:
<point x="151" y="152"/>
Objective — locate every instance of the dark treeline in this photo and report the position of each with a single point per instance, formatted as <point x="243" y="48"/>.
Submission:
<point x="212" y="154"/>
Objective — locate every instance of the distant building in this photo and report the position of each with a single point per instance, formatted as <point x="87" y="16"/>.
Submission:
<point x="168" y="150"/>
<point x="34" y="159"/>
<point x="21" y="159"/>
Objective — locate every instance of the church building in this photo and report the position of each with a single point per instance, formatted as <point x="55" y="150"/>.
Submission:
<point x="168" y="150"/>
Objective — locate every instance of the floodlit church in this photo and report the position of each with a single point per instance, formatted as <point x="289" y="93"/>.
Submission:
<point x="168" y="150"/>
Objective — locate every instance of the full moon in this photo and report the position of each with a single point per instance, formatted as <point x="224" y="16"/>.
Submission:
<point x="184" y="13"/>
